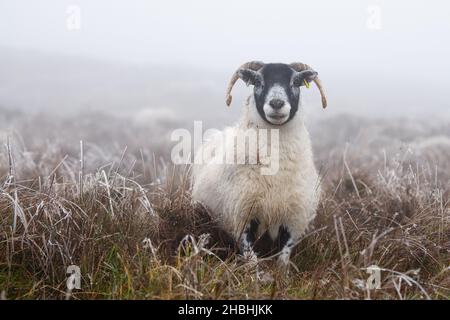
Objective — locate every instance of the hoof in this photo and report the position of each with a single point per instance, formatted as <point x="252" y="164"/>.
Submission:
<point x="250" y="257"/>
<point x="264" y="277"/>
<point x="283" y="263"/>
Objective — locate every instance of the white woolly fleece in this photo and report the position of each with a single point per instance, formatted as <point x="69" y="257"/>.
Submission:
<point x="235" y="194"/>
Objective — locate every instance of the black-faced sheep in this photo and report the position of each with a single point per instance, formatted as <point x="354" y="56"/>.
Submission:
<point x="246" y="202"/>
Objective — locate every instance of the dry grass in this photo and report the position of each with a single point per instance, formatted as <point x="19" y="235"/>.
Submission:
<point x="124" y="217"/>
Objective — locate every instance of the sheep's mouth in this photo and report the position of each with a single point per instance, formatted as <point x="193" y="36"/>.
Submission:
<point x="277" y="116"/>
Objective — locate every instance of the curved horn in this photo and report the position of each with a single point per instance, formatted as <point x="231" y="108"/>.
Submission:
<point x="298" y="66"/>
<point x="253" y="65"/>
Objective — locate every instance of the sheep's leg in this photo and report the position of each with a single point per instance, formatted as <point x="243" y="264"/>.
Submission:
<point x="287" y="242"/>
<point x="248" y="238"/>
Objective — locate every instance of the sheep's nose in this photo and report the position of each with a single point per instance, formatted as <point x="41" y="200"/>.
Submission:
<point x="276" y="104"/>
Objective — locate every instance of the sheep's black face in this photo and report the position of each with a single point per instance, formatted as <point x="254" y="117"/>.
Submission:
<point x="277" y="90"/>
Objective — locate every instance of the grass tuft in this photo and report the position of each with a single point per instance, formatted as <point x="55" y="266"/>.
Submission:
<point x="124" y="216"/>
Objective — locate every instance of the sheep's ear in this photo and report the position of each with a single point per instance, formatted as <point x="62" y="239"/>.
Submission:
<point x="299" y="78"/>
<point x="249" y="76"/>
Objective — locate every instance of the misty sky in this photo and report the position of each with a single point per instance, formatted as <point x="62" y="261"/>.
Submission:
<point x="408" y="44"/>
<point x="210" y="33"/>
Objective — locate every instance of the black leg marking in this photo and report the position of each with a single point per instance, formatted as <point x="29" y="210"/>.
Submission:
<point x="252" y="230"/>
<point x="283" y="237"/>
<point x="248" y="239"/>
<point x="286" y="244"/>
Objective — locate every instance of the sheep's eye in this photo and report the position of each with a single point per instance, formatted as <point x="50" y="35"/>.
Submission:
<point x="296" y="83"/>
<point x="258" y="83"/>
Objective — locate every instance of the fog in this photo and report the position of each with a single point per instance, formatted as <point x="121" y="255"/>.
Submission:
<point x="375" y="58"/>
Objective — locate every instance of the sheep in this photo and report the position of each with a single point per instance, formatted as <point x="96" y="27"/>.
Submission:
<point x="246" y="203"/>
